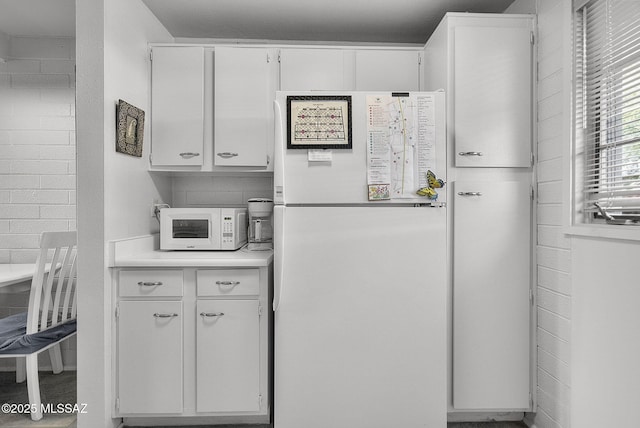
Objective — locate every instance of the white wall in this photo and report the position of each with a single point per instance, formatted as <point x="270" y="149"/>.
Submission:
<point x="522" y="6"/>
<point x="4" y="47"/>
<point x="129" y="188"/>
<point x="219" y="191"/>
<point x="37" y="144"/>
<point x="588" y="319"/>
<point x="113" y="63"/>
<point x="554" y="294"/>
<point x="553" y="251"/>
<point x="605" y="333"/>
<point x="554" y="287"/>
<point x="37" y="157"/>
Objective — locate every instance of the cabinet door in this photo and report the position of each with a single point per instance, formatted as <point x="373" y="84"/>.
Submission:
<point x="387" y="70"/>
<point x="492" y="96"/>
<point x="177" y="106"/>
<point x="243" y="97"/>
<point x="150" y="357"/>
<point x="491" y="283"/>
<point x="315" y="70"/>
<point x="227" y="356"/>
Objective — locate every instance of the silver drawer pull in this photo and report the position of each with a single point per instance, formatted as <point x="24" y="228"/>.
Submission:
<point x="227" y="155"/>
<point x="189" y="155"/>
<point x="158" y="315"/>
<point x="211" y="314"/>
<point x="149" y="283"/>
<point x="228" y="283"/>
<point x="470" y="193"/>
<point x="470" y="153"/>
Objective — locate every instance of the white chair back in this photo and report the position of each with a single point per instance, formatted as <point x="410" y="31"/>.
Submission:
<point x="53" y="289"/>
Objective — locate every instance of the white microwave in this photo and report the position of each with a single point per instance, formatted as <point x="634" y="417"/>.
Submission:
<point x="203" y="228"/>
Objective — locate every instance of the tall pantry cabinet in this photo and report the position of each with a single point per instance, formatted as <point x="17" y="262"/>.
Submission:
<point x="484" y="62"/>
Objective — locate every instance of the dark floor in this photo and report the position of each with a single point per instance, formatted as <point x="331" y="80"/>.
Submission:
<point x="61" y="388"/>
<point x="54" y="389"/>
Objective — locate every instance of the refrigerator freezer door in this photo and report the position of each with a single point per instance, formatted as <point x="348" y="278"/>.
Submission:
<point x="360" y="331"/>
<point x="343" y="179"/>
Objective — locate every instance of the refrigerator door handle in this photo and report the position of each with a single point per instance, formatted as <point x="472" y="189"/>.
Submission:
<point x="278" y="172"/>
<point x="278" y="248"/>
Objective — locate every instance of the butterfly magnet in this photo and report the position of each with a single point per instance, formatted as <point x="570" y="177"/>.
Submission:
<point x="433" y="184"/>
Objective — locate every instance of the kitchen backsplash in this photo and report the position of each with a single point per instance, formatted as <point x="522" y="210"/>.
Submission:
<point x="226" y="191"/>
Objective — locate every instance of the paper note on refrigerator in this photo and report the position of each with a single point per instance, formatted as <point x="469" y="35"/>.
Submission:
<point x="400" y="142"/>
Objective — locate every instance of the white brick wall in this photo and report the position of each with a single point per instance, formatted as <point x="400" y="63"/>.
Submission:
<point x="553" y="247"/>
<point x="37" y="156"/>
<point x="37" y="144"/>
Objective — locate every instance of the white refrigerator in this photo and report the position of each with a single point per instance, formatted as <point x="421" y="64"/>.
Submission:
<point x="360" y="260"/>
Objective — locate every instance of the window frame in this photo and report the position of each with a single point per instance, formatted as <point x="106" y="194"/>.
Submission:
<point x="607" y="108"/>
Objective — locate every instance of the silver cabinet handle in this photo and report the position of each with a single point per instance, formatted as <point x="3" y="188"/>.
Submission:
<point x="149" y="283"/>
<point x="470" y="153"/>
<point x="227" y="155"/>
<point x="189" y="155"/>
<point x="211" y="314"/>
<point x="157" y="315"/>
<point x="470" y="193"/>
<point x="228" y="283"/>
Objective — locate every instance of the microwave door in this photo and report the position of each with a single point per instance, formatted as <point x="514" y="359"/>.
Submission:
<point x="192" y="232"/>
<point x="191" y="228"/>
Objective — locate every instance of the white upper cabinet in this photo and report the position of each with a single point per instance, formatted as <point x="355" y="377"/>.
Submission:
<point x="387" y="70"/>
<point x="212" y="106"/>
<point x="492" y="96"/>
<point x="244" y="90"/>
<point x="311" y="69"/>
<point x="485" y="63"/>
<point x="177" y="102"/>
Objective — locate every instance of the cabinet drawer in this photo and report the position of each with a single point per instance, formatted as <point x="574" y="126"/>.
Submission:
<point x="150" y="283"/>
<point x="228" y="282"/>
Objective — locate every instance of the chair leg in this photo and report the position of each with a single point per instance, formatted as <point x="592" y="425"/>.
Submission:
<point x="21" y="373"/>
<point x="33" y="386"/>
<point x="56" y="358"/>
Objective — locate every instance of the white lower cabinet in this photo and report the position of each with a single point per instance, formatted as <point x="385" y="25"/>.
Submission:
<point x="491" y="294"/>
<point x="150" y="356"/>
<point x="193" y="342"/>
<point x="228" y="356"/>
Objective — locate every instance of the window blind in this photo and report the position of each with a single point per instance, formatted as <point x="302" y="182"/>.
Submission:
<point x="607" y="107"/>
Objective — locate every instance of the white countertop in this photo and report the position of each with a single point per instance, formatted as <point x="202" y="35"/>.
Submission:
<point x="140" y="252"/>
<point x="239" y="258"/>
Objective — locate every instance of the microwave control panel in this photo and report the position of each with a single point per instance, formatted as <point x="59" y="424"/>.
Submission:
<point x="227" y="229"/>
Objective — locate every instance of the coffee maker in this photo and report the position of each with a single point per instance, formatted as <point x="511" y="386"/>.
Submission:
<point x="260" y="224"/>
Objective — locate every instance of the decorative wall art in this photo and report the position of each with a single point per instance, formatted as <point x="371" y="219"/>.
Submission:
<point x="129" y="129"/>
<point x="319" y="122"/>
